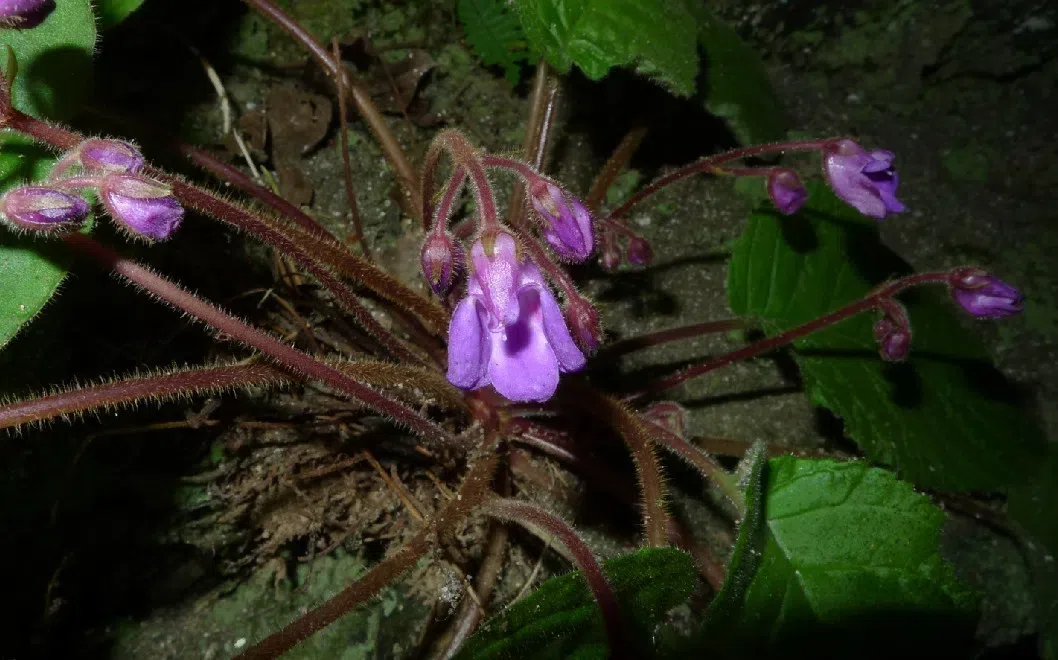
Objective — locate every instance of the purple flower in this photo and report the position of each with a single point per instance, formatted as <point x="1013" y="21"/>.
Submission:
<point x="639" y="251"/>
<point x="894" y="342"/>
<point x="105" y="156"/>
<point x="582" y="318"/>
<point x="42" y="209"/>
<point x="508" y="331"/>
<point x="786" y="191"/>
<point x="867" y="181"/>
<point x="22" y="14"/>
<point x="983" y="295"/>
<point x="146" y="208"/>
<point x="442" y="259"/>
<point x="568" y="227"/>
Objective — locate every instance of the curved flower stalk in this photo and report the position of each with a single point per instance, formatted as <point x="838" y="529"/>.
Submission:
<point x="509" y="331"/>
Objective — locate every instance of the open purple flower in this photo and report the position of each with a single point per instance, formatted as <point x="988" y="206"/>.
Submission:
<point x="567" y="222"/>
<point x="866" y="180"/>
<point x="983" y="295"/>
<point x="509" y="331"/>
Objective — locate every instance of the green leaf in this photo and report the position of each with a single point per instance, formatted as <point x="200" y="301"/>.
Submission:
<point x="561" y="619"/>
<point x="54" y="61"/>
<point x="112" y="12"/>
<point x="737" y="87"/>
<point x="848" y="563"/>
<point x="30" y="269"/>
<point x="658" y="38"/>
<point x="53" y="77"/>
<point x="946" y="418"/>
<point x="1031" y="505"/>
<point x="493" y="31"/>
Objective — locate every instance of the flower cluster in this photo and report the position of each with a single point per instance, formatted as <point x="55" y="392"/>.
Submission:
<point x="509" y="330"/>
<point x="112" y="169"/>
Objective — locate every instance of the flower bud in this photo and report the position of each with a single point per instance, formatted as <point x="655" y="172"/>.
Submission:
<point x="639" y="251"/>
<point x="99" y="156"/>
<point x="42" y="209"/>
<point x="610" y="255"/>
<point x="584" y="323"/>
<point x="983" y="295"/>
<point x="568" y="224"/>
<point x="23" y="14"/>
<point x="786" y="191"/>
<point x="894" y="342"/>
<point x="669" y="415"/>
<point x="144" y="207"/>
<point x="442" y="259"/>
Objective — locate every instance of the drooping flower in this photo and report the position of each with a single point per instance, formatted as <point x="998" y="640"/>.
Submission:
<point x="442" y="259"/>
<point x="786" y="191"/>
<point x="42" y="209"/>
<point x="866" y="180"/>
<point x="567" y="223"/>
<point x="894" y="341"/>
<point x="146" y="208"/>
<point x="24" y="14"/>
<point x="509" y="331"/>
<point x="983" y="295"/>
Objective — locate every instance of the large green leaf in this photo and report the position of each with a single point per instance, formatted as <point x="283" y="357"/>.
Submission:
<point x="53" y="77"/>
<point x="492" y="29"/>
<point x="561" y="619"/>
<point x="736" y="86"/>
<point x="54" y="61"/>
<point x="944" y="419"/>
<point x="656" y="37"/>
<point x="112" y="12"/>
<point x="847" y="562"/>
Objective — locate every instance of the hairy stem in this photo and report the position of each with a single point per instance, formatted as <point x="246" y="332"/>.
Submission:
<point x="226" y="324"/>
<point x="158" y="386"/>
<point x="539" y="101"/>
<point x="464" y="156"/>
<point x="347" y="170"/>
<point x="617" y="162"/>
<point x="708" y="164"/>
<point x="359" y="95"/>
<point x="700" y="461"/>
<point x="672" y="334"/>
<point x="867" y="303"/>
<point x="632" y="429"/>
<point x="472" y="492"/>
<point x="548" y="525"/>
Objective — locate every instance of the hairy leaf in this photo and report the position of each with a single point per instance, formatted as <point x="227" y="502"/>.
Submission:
<point x="561" y="619"/>
<point x="847" y="561"/>
<point x="658" y="38"/>
<point x="112" y="12"/>
<point x="493" y="31"/>
<point x="946" y="418"/>
<point x="53" y="74"/>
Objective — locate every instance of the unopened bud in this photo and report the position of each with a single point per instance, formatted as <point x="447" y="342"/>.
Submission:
<point x="786" y="191"/>
<point x="98" y="156"/>
<point x="567" y="223"/>
<point x="584" y="324"/>
<point x="894" y="341"/>
<point x="442" y="259"/>
<point x="983" y="295"/>
<point x="669" y="415"/>
<point x="42" y="209"/>
<point x="639" y="251"/>
<point x="23" y="14"/>
<point x="144" y="207"/>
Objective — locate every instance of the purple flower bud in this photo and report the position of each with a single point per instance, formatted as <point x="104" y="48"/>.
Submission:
<point x="894" y="342"/>
<point x="42" y="209"/>
<point x="98" y="156"/>
<point x="786" y="191"/>
<point x="610" y="256"/>
<point x="584" y="323"/>
<point x="146" y="208"/>
<point x="983" y="295"/>
<point x="23" y="14"/>
<point x="568" y="225"/>
<point x="867" y="181"/>
<point x="639" y="251"/>
<point x="442" y="259"/>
